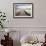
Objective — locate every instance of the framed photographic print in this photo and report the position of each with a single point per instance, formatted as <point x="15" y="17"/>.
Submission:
<point x="22" y="9"/>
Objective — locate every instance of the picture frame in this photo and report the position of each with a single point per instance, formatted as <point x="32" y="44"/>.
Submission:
<point x="22" y="10"/>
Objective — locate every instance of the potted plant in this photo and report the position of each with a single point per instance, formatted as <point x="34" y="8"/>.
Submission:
<point x="2" y="19"/>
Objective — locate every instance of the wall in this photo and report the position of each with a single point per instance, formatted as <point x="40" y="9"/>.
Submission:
<point x="25" y="25"/>
<point x="39" y="13"/>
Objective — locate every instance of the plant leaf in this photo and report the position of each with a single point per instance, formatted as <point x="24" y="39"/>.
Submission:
<point x="4" y="16"/>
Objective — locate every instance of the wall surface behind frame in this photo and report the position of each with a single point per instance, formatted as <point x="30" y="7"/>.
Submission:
<point x="39" y="13"/>
<point x="25" y="25"/>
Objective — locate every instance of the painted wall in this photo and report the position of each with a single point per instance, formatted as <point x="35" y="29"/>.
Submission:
<point x="39" y="13"/>
<point x="25" y="25"/>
